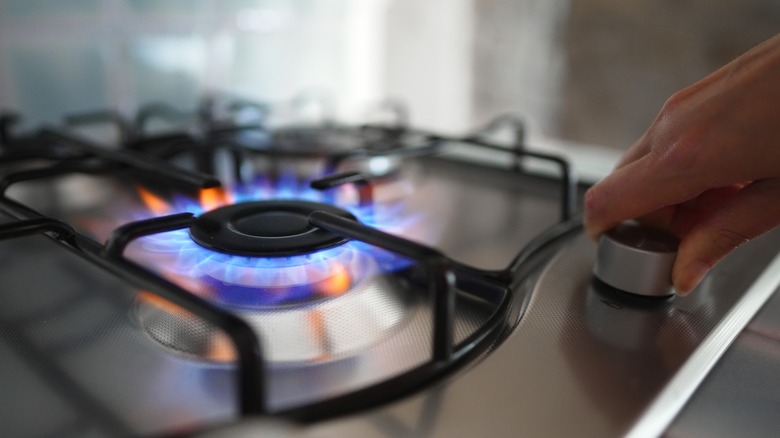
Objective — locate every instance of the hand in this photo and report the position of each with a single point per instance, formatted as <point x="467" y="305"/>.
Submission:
<point x="707" y="169"/>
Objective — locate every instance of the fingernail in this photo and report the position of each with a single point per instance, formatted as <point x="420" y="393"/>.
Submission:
<point x="589" y="229"/>
<point x="692" y="276"/>
<point x="681" y="293"/>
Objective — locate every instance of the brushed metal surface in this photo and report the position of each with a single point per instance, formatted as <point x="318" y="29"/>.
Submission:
<point x="582" y="361"/>
<point x="740" y="396"/>
<point x="637" y="259"/>
<point x="479" y="216"/>
<point x="677" y="392"/>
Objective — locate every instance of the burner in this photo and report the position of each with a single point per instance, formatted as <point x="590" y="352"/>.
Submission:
<point x="265" y="228"/>
<point x="335" y="329"/>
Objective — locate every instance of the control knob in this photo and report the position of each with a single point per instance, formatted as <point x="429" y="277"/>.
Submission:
<point x="637" y="259"/>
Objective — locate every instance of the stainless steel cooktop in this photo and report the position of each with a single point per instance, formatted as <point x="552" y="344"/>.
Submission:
<point x="90" y="348"/>
<point x="587" y="360"/>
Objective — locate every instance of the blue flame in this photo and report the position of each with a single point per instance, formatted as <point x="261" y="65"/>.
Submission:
<point x="261" y="281"/>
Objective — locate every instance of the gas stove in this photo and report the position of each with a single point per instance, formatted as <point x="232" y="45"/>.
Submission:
<point x="242" y="276"/>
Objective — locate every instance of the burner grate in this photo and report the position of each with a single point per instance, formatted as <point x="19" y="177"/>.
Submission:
<point x="442" y="275"/>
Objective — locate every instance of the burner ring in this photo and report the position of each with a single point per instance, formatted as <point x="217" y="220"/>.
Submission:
<point x="266" y="228"/>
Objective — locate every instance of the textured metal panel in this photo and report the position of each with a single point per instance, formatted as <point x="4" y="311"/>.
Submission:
<point x="88" y="325"/>
<point x="583" y="361"/>
<point x="740" y="397"/>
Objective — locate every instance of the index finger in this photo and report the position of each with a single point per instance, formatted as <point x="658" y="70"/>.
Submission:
<point x="637" y="188"/>
<point x="636" y="151"/>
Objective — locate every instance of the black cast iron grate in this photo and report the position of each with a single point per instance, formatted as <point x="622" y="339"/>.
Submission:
<point x="70" y="154"/>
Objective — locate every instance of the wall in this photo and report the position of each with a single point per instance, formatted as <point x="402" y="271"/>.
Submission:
<point x="64" y="56"/>
<point x="590" y="71"/>
<point x="598" y="71"/>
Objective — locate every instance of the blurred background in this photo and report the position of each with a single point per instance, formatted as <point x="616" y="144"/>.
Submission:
<point x="587" y="71"/>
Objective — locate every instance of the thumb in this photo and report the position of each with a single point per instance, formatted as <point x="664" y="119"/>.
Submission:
<point x="753" y="211"/>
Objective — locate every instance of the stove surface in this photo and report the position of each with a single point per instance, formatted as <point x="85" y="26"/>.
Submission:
<point x="480" y="316"/>
<point x="96" y="334"/>
<point x="582" y="361"/>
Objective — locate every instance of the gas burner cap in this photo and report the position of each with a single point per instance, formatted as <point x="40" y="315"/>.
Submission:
<point x="265" y="228"/>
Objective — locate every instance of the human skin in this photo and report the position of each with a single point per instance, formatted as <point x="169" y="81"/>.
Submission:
<point x="707" y="169"/>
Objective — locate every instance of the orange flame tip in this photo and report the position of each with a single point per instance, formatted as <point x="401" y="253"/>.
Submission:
<point x="337" y="283"/>
<point x="155" y="204"/>
<point x="214" y="197"/>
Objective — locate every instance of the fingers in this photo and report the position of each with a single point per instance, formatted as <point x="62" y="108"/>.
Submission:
<point x="635" y="152"/>
<point x="749" y="213"/>
<point x="684" y="173"/>
<point x="679" y="219"/>
<point x="635" y="189"/>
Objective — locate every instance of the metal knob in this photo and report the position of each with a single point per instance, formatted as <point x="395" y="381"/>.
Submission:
<point x="637" y="259"/>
